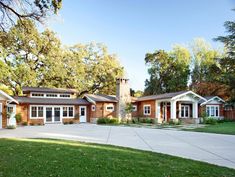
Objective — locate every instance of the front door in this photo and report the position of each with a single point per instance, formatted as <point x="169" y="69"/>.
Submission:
<point x="56" y="114"/>
<point x="0" y="115"/>
<point x="48" y="114"/>
<point x="82" y="111"/>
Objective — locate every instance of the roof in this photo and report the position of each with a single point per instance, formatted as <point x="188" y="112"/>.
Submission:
<point x="8" y="97"/>
<point x="161" y="96"/>
<point x="101" y="98"/>
<point x="210" y="98"/>
<point x="44" y="89"/>
<point x="51" y="101"/>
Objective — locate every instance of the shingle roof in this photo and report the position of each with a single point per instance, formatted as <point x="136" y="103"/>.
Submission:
<point x="51" y="101"/>
<point x="43" y="89"/>
<point x="206" y="97"/>
<point x="161" y="96"/>
<point x="101" y="98"/>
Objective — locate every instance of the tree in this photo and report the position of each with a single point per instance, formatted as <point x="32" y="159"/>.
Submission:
<point x="14" y="10"/>
<point x="227" y="62"/>
<point x="169" y="71"/>
<point x="30" y="58"/>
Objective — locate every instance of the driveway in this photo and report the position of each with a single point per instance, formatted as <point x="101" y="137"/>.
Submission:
<point x="211" y="148"/>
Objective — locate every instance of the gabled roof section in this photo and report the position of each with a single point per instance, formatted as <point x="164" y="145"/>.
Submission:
<point x="52" y="101"/>
<point x="210" y="98"/>
<point x="170" y="96"/>
<point x="100" y="98"/>
<point x="49" y="90"/>
<point x="8" y="97"/>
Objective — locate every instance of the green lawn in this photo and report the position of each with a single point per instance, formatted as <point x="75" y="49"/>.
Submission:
<point x="44" y="157"/>
<point x="221" y="128"/>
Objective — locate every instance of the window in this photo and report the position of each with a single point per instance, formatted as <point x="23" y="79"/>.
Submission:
<point x="147" y="109"/>
<point x="40" y="111"/>
<point x="93" y="107"/>
<point x="36" y="111"/>
<point x="37" y="95"/>
<point x="64" y="95"/>
<point x="68" y="111"/>
<point x="212" y="110"/>
<point x="184" y="111"/>
<point x="110" y="108"/>
<point x="51" y="95"/>
<point x="65" y="111"/>
<point x="10" y="110"/>
<point x="134" y="108"/>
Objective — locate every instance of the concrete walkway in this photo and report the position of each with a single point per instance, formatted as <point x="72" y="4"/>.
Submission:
<point x="211" y="148"/>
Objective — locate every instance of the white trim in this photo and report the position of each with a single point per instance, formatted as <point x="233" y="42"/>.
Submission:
<point x="185" y="111"/>
<point x="220" y="99"/>
<point x="134" y="108"/>
<point x="146" y="105"/>
<point x="9" y="97"/>
<point x="93" y="107"/>
<point x="186" y="93"/>
<point x="45" y="95"/>
<point x="85" y="116"/>
<point x="89" y="99"/>
<point x="215" y="106"/>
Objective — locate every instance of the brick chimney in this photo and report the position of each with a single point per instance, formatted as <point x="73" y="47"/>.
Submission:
<point x="123" y="96"/>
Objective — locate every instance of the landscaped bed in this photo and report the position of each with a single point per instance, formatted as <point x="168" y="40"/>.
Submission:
<point x="44" y="157"/>
<point x="221" y="128"/>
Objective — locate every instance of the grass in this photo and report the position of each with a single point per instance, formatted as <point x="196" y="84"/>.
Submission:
<point x="46" y="157"/>
<point x="220" y="128"/>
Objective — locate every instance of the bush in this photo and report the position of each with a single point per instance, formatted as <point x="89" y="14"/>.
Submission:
<point x="25" y="123"/>
<point x="209" y="120"/>
<point x="18" y="117"/>
<point x="65" y="123"/>
<point x="148" y="120"/>
<point x="106" y="120"/>
<point x="135" y="120"/>
<point x="32" y="123"/>
<point x="11" y="127"/>
<point x="71" y="122"/>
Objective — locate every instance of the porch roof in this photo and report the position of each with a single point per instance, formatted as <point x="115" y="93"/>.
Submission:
<point x="51" y="101"/>
<point x="100" y="98"/>
<point x="7" y="97"/>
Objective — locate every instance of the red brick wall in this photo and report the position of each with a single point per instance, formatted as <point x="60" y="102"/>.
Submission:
<point x="100" y="110"/>
<point x="4" y="114"/>
<point x="141" y="107"/>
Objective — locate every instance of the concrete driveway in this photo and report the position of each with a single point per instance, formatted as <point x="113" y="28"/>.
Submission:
<point x="211" y="148"/>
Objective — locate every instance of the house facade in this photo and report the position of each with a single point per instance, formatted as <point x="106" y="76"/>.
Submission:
<point x="50" y="105"/>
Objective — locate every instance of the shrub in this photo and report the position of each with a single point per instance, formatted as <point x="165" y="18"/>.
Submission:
<point x="210" y="120"/>
<point x="71" y="122"/>
<point x="113" y="121"/>
<point x="65" y="123"/>
<point x="11" y="127"/>
<point x="106" y="120"/>
<point x="148" y="120"/>
<point x="135" y="120"/>
<point x="18" y="117"/>
<point x="32" y="123"/>
<point x="101" y="121"/>
<point x="25" y="123"/>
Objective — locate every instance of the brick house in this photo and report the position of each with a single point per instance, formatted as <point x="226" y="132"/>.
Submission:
<point x="50" y="105"/>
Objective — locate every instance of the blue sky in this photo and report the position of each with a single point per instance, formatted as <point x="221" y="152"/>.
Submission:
<point x="131" y="28"/>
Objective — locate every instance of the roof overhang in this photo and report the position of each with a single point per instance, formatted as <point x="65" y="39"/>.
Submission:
<point x="215" y="97"/>
<point x="89" y="99"/>
<point x="8" y="97"/>
<point x="186" y="93"/>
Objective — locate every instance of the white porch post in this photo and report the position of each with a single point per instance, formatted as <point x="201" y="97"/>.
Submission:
<point x="158" y="111"/>
<point x="173" y="109"/>
<point x="179" y="110"/>
<point x="195" y="109"/>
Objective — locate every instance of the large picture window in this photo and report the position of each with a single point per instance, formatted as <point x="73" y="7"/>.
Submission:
<point x="212" y="110"/>
<point x="36" y="111"/>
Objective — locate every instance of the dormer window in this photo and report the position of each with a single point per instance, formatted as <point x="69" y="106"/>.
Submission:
<point x="51" y="95"/>
<point x="37" y="95"/>
<point x="65" y="95"/>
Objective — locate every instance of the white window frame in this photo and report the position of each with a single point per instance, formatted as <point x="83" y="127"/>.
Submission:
<point x="68" y="111"/>
<point x="93" y="108"/>
<point x="210" y="112"/>
<point x="31" y="95"/>
<point x="134" y="108"/>
<point x="65" y="96"/>
<point x="30" y="113"/>
<point x="110" y="105"/>
<point x="147" y="105"/>
<point x="185" y="111"/>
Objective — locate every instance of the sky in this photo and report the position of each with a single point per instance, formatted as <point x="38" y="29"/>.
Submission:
<point x="132" y="28"/>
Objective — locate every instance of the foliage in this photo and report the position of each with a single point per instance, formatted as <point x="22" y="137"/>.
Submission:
<point x="18" y="117"/>
<point x="71" y="122"/>
<point x="209" y="120"/>
<point x="175" y="122"/>
<point x="169" y="71"/>
<point x="24" y="123"/>
<point x="28" y="58"/>
<point x="36" y="10"/>
<point x="129" y="108"/>
<point x="106" y="120"/>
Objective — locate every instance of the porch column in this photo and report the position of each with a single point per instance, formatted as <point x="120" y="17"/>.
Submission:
<point x="173" y="109"/>
<point x="195" y="109"/>
<point x="158" y="109"/>
<point x="179" y="110"/>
